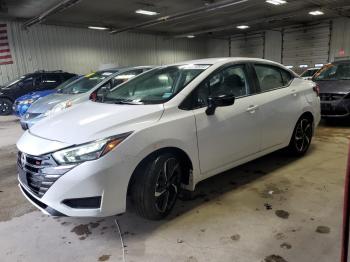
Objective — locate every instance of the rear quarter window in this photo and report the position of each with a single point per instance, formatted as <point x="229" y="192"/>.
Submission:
<point x="287" y="77"/>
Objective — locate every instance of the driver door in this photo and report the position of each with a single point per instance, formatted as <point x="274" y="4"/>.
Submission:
<point x="233" y="132"/>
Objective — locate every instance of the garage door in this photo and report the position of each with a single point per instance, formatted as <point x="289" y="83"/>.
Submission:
<point x="248" y="46"/>
<point x="306" y="46"/>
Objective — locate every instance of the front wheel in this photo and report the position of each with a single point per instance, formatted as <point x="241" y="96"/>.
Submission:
<point x="156" y="186"/>
<point x="302" y="136"/>
<point x="5" y="107"/>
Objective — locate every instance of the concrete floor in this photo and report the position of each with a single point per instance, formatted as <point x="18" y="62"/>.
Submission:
<point x="274" y="209"/>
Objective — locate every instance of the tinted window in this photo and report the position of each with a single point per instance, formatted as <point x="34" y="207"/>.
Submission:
<point x="286" y="76"/>
<point x="269" y="77"/>
<point x="51" y="79"/>
<point x="67" y="76"/>
<point x="26" y="83"/>
<point x="229" y="81"/>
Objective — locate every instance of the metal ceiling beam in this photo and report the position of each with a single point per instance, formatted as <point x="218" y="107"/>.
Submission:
<point x="180" y="15"/>
<point x="53" y="10"/>
<point x="251" y="22"/>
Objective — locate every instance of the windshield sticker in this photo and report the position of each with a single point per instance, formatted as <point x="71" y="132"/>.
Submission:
<point x="91" y="74"/>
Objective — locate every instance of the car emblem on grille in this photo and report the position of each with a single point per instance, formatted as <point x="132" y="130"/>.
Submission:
<point x="23" y="159"/>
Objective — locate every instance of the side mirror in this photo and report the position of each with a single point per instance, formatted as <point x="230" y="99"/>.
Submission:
<point x="218" y="101"/>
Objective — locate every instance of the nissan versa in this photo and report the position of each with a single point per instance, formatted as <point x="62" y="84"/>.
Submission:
<point x="163" y="131"/>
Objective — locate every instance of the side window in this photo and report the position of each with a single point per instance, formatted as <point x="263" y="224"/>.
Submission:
<point x="51" y="80"/>
<point x="269" y="77"/>
<point x="26" y="83"/>
<point x="229" y="81"/>
<point x="287" y="77"/>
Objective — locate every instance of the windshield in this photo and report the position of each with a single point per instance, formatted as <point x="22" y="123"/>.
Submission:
<point x="156" y="86"/>
<point x="309" y="72"/>
<point x="334" y="72"/>
<point x="12" y="82"/>
<point x="86" y="83"/>
<point x="67" y="82"/>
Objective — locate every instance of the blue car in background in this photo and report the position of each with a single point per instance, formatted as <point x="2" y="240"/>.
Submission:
<point x="21" y="104"/>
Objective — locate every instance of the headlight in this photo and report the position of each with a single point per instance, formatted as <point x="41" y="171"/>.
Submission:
<point x="26" y="102"/>
<point x="89" y="151"/>
<point x="58" y="108"/>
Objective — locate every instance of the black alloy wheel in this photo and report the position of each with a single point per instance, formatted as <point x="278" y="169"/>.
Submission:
<point x="156" y="186"/>
<point x="5" y="107"/>
<point x="302" y="136"/>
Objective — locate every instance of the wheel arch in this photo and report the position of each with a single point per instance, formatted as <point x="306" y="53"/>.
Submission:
<point x="7" y="97"/>
<point x="183" y="156"/>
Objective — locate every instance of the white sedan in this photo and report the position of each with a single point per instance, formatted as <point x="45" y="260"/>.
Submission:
<point x="162" y="132"/>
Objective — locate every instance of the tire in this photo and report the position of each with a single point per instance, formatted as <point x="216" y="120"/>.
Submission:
<point x="302" y="136"/>
<point x="5" y="107"/>
<point x="156" y="186"/>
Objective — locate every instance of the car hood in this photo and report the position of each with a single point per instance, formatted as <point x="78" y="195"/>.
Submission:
<point x="36" y="95"/>
<point x="89" y="121"/>
<point x="335" y="87"/>
<point x="48" y="102"/>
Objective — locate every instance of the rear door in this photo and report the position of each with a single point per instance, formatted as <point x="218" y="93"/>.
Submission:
<point x="278" y="103"/>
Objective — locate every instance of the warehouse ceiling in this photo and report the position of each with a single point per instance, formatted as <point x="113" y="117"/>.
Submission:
<point x="212" y="20"/>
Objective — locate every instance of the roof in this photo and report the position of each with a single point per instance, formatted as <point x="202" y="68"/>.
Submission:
<point x="223" y="60"/>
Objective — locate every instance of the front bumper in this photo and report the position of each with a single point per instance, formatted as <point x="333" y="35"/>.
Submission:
<point x="105" y="179"/>
<point x="335" y="109"/>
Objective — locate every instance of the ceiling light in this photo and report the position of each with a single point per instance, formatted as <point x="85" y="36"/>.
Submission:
<point x="303" y="66"/>
<point x="316" y="12"/>
<point x="319" y="65"/>
<point x="276" y="2"/>
<point x="190" y="36"/>
<point x="97" y="27"/>
<point x="289" y="66"/>
<point x="243" y="26"/>
<point x="146" y="12"/>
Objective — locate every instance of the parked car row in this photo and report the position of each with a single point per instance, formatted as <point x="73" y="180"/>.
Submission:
<point x="101" y="138"/>
<point x="34" y="82"/>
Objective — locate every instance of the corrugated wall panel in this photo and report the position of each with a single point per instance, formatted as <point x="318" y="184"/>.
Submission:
<point x="82" y="50"/>
<point x="249" y="46"/>
<point x="309" y="45"/>
<point x="218" y="48"/>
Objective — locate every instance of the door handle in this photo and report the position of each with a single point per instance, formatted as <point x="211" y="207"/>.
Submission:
<point x="251" y="109"/>
<point x="294" y="92"/>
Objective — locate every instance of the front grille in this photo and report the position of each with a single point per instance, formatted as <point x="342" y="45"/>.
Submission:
<point x="330" y="97"/>
<point x="38" y="173"/>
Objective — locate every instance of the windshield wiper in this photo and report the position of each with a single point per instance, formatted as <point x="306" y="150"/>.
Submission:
<point x="127" y="102"/>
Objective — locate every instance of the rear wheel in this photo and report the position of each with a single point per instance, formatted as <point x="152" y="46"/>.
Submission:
<point x="5" y="107"/>
<point x="302" y="136"/>
<point x="156" y="186"/>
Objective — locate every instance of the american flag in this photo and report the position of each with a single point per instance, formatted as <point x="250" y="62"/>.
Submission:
<point x="5" y="52"/>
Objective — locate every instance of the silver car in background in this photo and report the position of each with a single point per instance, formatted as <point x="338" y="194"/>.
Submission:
<point x="78" y="91"/>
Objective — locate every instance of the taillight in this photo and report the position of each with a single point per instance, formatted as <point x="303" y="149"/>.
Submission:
<point x="316" y="89"/>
